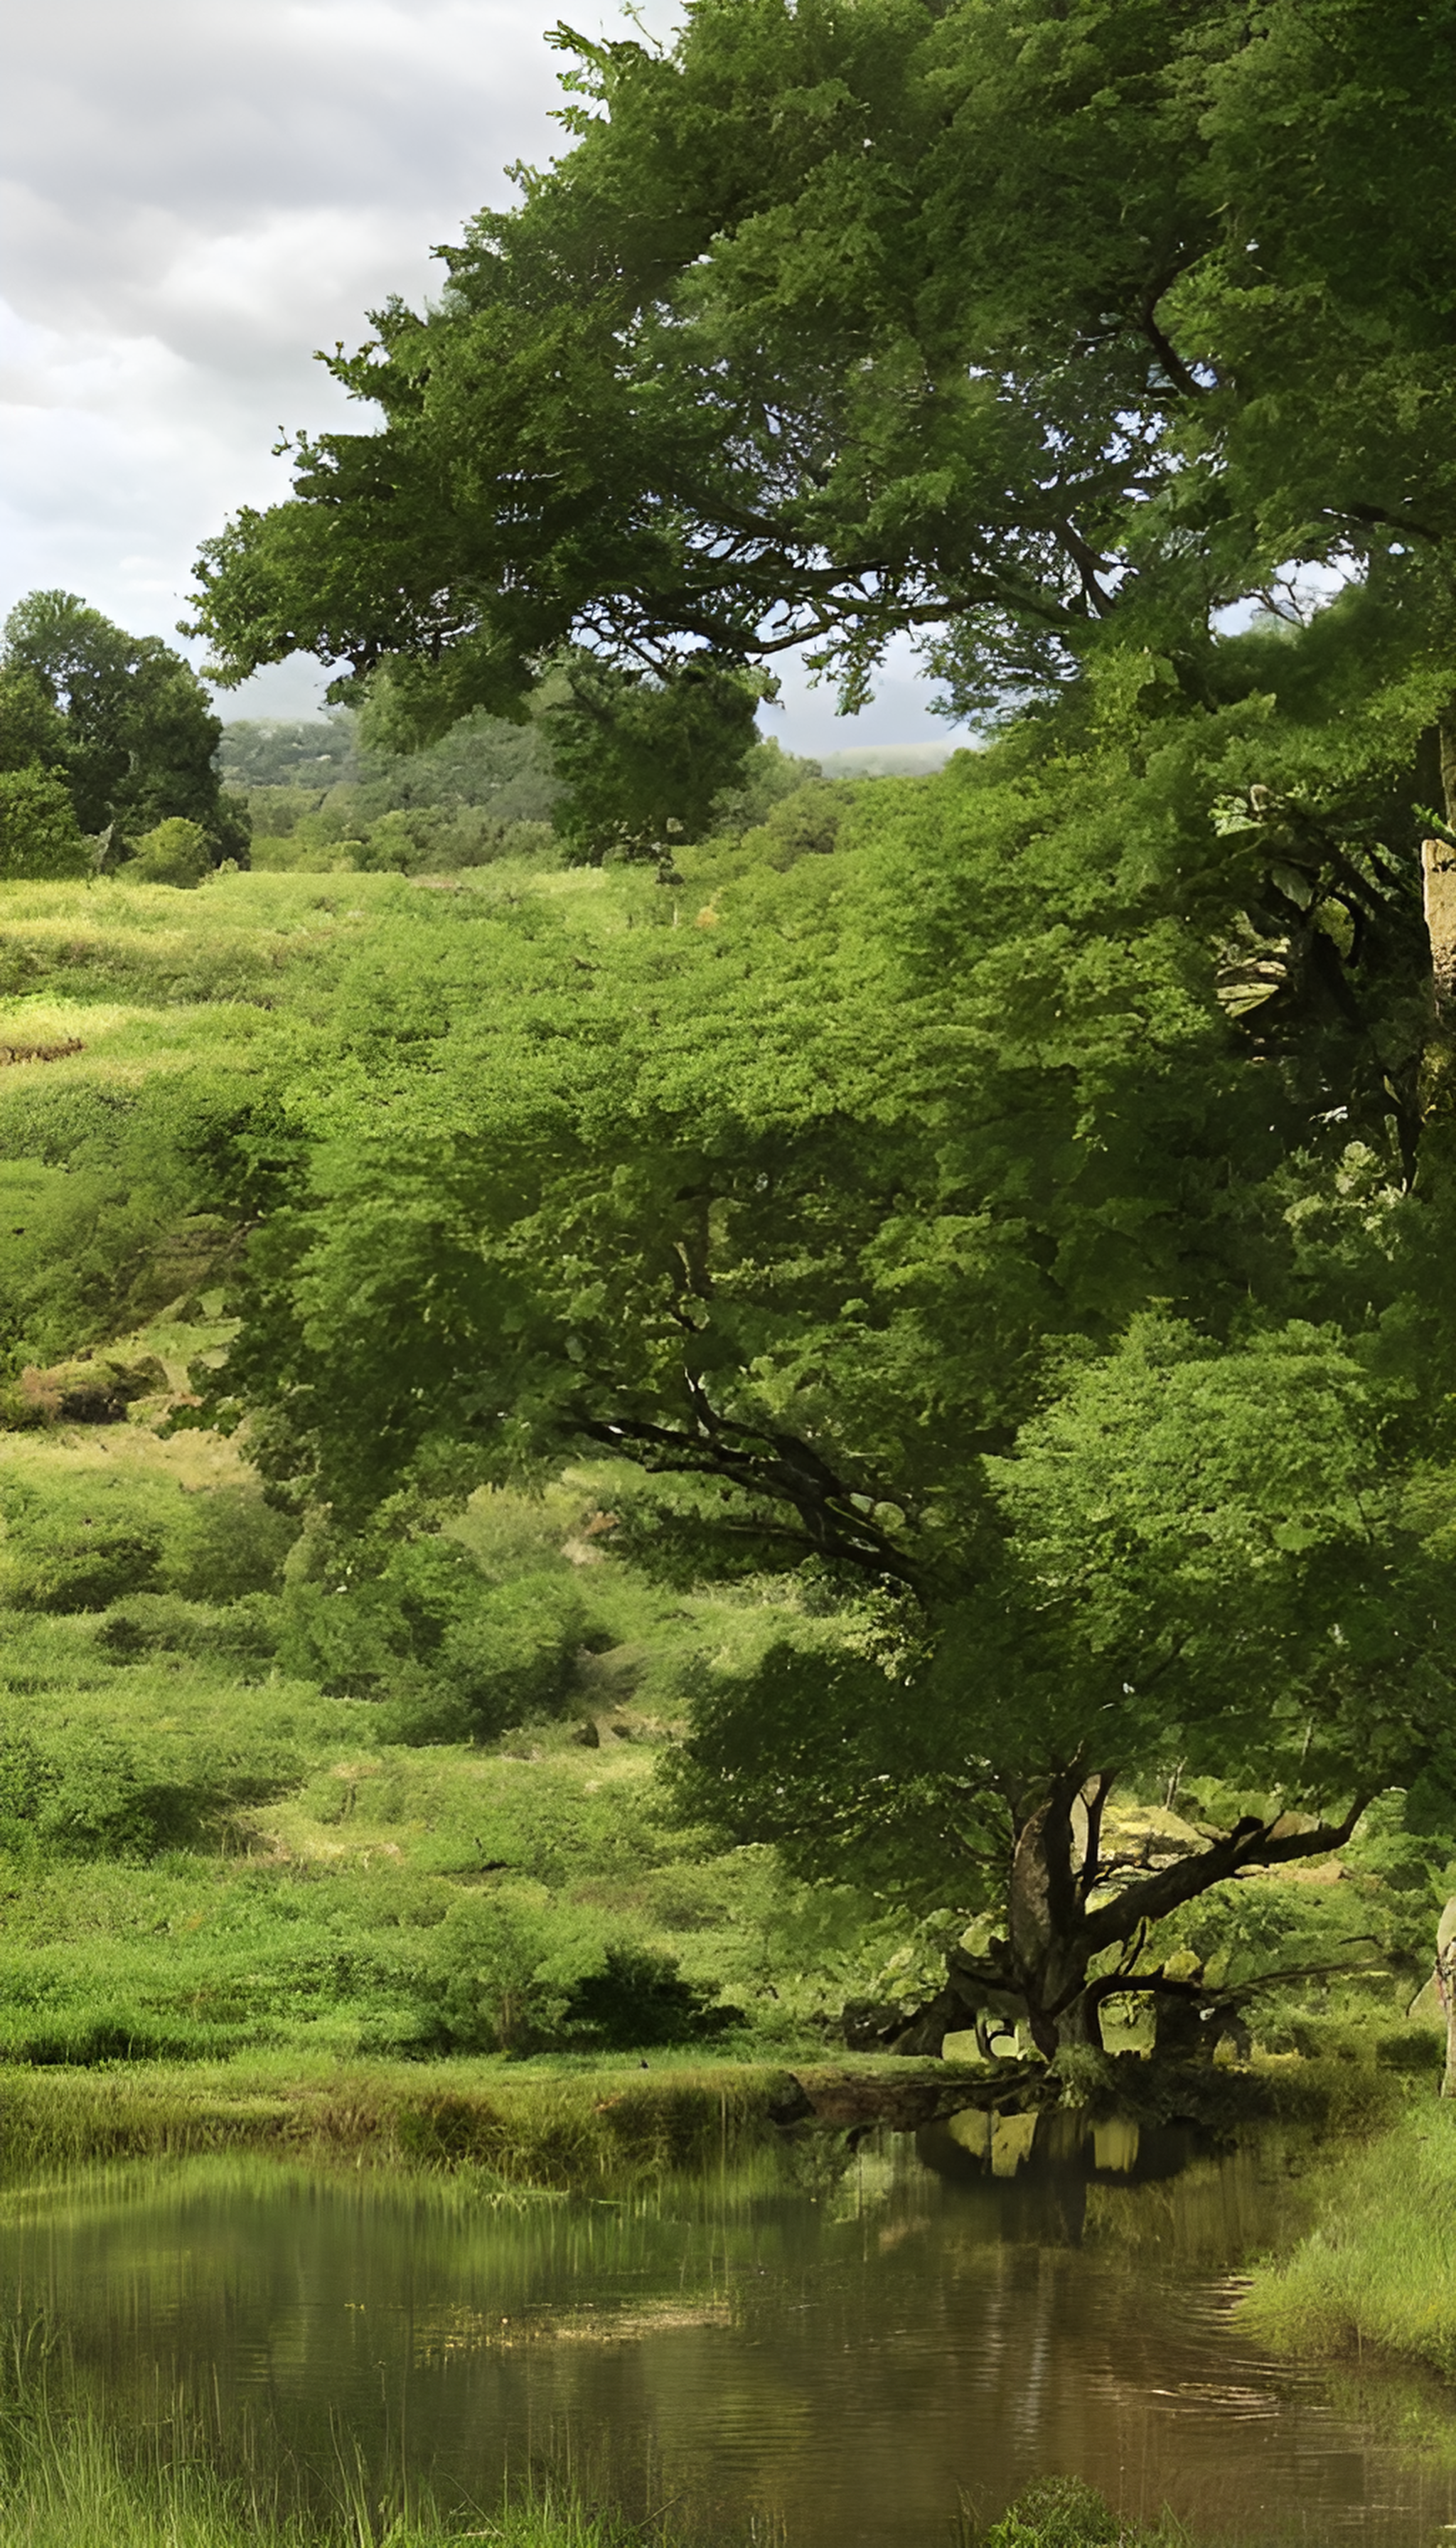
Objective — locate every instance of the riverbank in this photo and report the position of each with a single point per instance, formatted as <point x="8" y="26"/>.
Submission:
<point x="1379" y="2270"/>
<point x="572" y="2128"/>
<point x="562" y="2129"/>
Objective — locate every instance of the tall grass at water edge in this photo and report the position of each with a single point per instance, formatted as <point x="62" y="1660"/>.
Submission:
<point x="1378" y="2269"/>
<point x="563" y="2133"/>
<point x="69" y="2483"/>
<point x="73" y="2487"/>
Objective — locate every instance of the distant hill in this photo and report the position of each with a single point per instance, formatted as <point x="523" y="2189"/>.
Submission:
<point x="887" y="759"/>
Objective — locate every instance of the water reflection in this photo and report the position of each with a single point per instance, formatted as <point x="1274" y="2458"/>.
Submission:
<point x="845" y="2342"/>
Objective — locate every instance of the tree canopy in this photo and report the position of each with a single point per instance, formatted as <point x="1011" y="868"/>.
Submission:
<point x="1014" y="327"/>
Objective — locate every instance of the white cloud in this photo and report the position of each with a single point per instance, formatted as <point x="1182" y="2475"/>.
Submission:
<point x="197" y="194"/>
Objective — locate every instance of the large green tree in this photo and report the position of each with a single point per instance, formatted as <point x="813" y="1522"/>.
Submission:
<point x="1015" y="326"/>
<point x="838" y="1221"/>
<point x="1033" y="1215"/>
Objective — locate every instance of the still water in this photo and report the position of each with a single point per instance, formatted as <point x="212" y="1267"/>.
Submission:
<point x="809" y="2347"/>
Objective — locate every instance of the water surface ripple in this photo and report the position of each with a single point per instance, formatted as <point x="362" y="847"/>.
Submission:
<point x="834" y="2351"/>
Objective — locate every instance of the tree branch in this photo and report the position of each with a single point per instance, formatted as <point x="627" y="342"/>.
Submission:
<point x="784" y="1469"/>
<point x="1168" y="355"/>
<point x="1250" y="1844"/>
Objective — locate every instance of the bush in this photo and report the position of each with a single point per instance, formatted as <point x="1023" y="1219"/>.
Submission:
<point x="805" y="824"/>
<point x="175" y="853"/>
<point x="85" y="1569"/>
<point x="511" y="1652"/>
<point x="453" y="1655"/>
<point x="83" y="1792"/>
<point x="504" y="1966"/>
<point x="520" y="1970"/>
<point x="38" y="832"/>
<point x="640" y="1997"/>
<point x="150" y="1623"/>
<point x="1064" y="2513"/>
<point x="226" y="1544"/>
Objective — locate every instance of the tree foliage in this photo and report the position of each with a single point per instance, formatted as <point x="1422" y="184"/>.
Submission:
<point x="124" y="719"/>
<point x="38" y="832"/>
<point x="1017" y="326"/>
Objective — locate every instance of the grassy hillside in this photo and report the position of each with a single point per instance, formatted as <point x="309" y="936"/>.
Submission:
<point x="218" y="1831"/>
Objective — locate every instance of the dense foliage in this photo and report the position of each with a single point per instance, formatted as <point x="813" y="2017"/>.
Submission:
<point x="1020" y="326"/>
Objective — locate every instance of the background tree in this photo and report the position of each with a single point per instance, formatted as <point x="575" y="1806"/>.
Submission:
<point x="38" y="832"/>
<point x="32" y="733"/>
<point x="125" y="718"/>
<point x="643" y="760"/>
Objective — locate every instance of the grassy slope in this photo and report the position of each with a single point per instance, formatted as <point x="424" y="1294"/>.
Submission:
<point x="1380" y="2269"/>
<point x="307" y="1865"/>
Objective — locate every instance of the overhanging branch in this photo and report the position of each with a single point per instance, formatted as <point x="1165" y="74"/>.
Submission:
<point x="1251" y="1845"/>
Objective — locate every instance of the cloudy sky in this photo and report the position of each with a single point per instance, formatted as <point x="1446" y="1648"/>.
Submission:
<point x="196" y="194"/>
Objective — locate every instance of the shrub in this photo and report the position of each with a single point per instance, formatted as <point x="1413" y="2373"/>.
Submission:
<point x="175" y="851"/>
<point x="805" y="824"/>
<point x="640" y="1997"/>
<point x="452" y="1654"/>
<point x="511" y="1652"/>
<point x="1064" y="2513"/>
<point x="85" y="1569"/>
<point x="520" y="1970"/>
<point x="504" y="1966"/>
<point x="150" y="1623"/>
<point x="38" y="832"/>
<point x="83" y="1792"/>
<point x="228" y="1543"/>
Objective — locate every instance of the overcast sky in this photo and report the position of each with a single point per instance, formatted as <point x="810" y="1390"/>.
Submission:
<point x="196" y="194"/>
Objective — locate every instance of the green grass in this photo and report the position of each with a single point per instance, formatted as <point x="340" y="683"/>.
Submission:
<point x="513" y="2126"/>
<point x="1378" y="2269"/>
<point x="71" y="2482"/>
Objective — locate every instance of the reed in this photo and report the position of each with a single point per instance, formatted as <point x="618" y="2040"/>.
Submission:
<point x="70" y="2478"/>
<point x="75" y="2486"/>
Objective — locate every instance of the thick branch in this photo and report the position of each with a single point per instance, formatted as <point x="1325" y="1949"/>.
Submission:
<point x="1171" y="360"/>
<point x="1250" y="1844"/>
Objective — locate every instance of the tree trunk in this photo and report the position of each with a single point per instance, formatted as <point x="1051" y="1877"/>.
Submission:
<point x="1037" y="1974"/>
<point x="1438" y="881"/>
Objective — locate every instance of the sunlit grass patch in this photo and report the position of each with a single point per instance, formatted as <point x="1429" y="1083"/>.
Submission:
<point x="134" y="1452"/>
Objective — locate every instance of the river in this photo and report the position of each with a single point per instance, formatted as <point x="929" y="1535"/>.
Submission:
<point x="826" y="2350"/>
